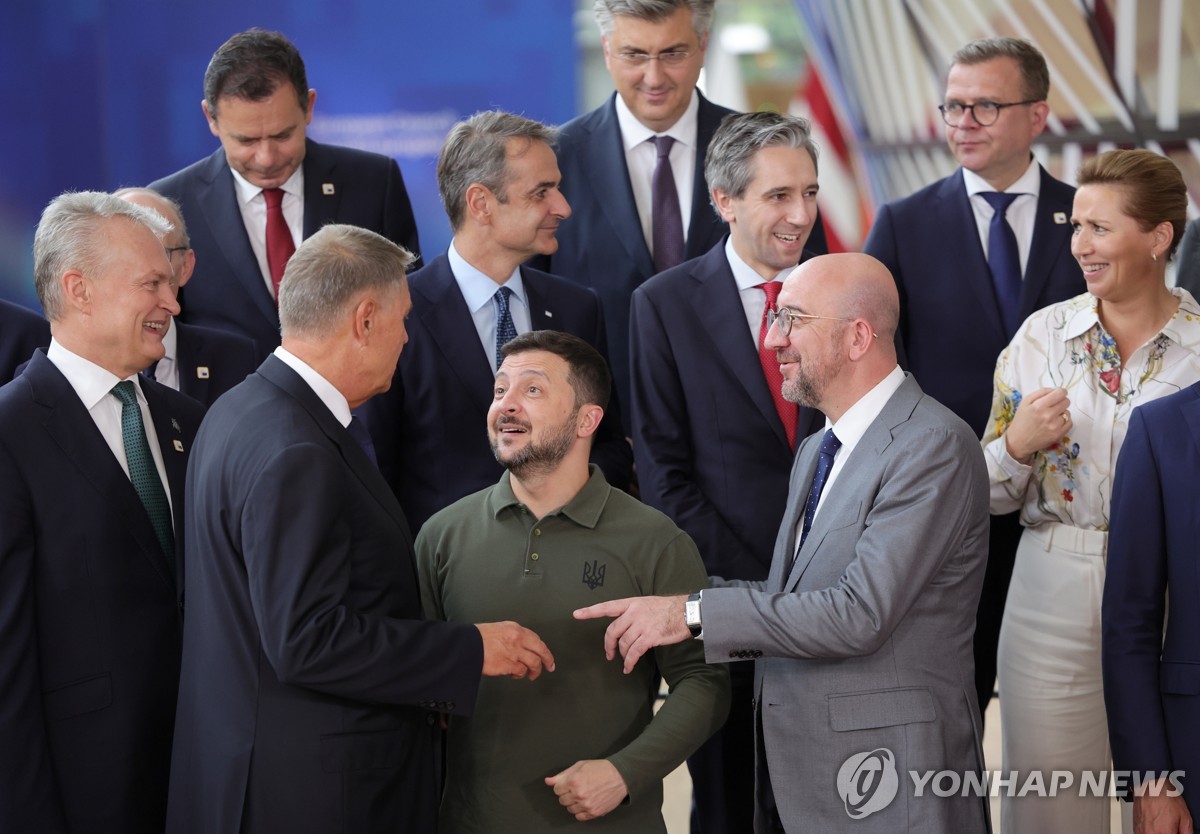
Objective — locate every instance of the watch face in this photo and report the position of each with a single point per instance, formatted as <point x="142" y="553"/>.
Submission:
<point x="692" y="613"/>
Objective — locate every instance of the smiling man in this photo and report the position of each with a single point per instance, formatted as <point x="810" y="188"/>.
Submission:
<point x="499" y="182"/>
<point x="712" y="437"/>
<point x="268" y="187"/>
<point x="92" y="465"/>
<point x="583" y="744"/>
<point x="974" y="254"/>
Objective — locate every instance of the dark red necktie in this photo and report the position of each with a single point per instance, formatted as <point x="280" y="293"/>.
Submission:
<point x="788" y="411"/>
<point x="280" y="245"/>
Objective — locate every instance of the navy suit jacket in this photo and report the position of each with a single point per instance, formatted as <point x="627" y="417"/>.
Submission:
<point x="710" y="448"/>
<point x="1152" y="684"/>
<point x="212" y="361"/>
<point x="22" y="331"/>
<point x="228" y="291"/>
<point x="430" y="429"/>
<point x="950" y="327"/>
<point x="601" y="245"/>
<point x="308" y="669"/>
<point x="89" y="613"/>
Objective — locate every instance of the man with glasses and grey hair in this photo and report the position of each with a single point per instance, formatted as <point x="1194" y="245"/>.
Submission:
<point x="499" y="182"/>
<point x="93" y="458"/>
<point x="973" y="255"/>
<point x="712" y="435"/>
<point x="633" y="168"/>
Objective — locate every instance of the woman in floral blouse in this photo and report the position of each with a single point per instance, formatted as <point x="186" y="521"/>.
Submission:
<point x="1064" y="389"/>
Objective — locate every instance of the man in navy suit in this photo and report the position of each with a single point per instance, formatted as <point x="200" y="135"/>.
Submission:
<point x="500" y="184"/>
<point x="199" y="361"/>
<point x="712" y="440"/>
<point x="22" y="331"/>
<point x="309" y="677"/>
<point x="654" y="51"/>
<point x="1152" y="664"/>
<point x="268" y="187"/>
<point x="92" y="464"/>
<point x="953" y="323"/>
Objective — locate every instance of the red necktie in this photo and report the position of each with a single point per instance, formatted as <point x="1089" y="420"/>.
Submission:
<point x="280" y="245"/>
<point x="788" y="411"/>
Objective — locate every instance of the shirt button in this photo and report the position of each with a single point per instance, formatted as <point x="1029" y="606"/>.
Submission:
<point x="534" y="557"/>
<point x="537" y="532"/>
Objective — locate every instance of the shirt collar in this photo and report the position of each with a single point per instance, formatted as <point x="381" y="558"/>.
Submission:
<point x="1029" y="183"/>
<point x="478" y="289"/>
<point x="333" y="399"/>
<point x="91" y="382"/>
<point x="634" y="133"/>
<point x="745" y="276"/>
<point x="859" y="417"/>
<point x="1183" y="328"/>
<point x="584" y="509"/>
<point x="170" y="342"/>
<point x="247" y="191"/>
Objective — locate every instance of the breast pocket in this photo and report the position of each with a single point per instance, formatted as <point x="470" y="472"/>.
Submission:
<point x="88" y="695"/>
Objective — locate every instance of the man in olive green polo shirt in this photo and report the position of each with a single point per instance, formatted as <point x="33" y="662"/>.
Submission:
<point x="550" y="537"/>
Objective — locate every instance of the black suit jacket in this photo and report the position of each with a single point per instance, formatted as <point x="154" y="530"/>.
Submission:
<point x="601" y="245"/>
<point x="228" y="291"/>
<point x="307" y="667"/>
<point x="950" y="327"/>
<point x="430" y="429"/>
<point x="711" y="450"/>
<point x="22" y="331"/>
<point x="212" y="361"/>
<point x="89" y="614"/>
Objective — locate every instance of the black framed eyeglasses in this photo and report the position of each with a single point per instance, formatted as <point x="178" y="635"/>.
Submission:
<point x="785" y="317"/>
<point x="984" y="113"/>
<point x="639" y="59"/>
<point x="171" y="250"/>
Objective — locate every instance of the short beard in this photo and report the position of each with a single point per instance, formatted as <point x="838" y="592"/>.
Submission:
<point x="542" y="457"/>
<point x="808" y="388"/>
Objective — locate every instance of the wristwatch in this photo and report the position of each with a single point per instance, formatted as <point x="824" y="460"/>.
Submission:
<point x="691" y="614"/>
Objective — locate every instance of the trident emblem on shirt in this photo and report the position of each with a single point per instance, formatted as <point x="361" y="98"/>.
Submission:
<point x="593" y="574"/>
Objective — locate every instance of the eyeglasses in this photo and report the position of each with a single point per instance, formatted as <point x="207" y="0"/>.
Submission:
<point x="984" y="113"/>
<point x="640" y="59"/>
<point x="171" y="250"/>
<point x="786" y="317"/>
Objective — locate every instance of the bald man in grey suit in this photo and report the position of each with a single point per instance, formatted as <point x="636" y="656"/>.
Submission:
<point x="862" y="630"/>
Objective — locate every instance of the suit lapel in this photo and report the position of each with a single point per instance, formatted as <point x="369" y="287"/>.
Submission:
<point x="175" y="456"/>
<point x="1191" y="415"/>
<point x="189" y="355"/>
<point x="322" y="189"/>
<point x="1047" y="244"/>
<point x="958" y="236"/>
<point x="219" y="206"/>
<point x="803" y="471"/>
<point x="542" y="312"/>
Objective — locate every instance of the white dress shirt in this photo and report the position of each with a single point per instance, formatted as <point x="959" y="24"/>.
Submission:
<point x="167" y="369"/>
<point x="478" y="291"/>
<point x="641" y="156"/>
<point x="323" y="388"/>
<point x="93" y="385"/>
<point x="254" y="215"/>
<point x="1020" y="215"/>
<point x="754" y="298"/>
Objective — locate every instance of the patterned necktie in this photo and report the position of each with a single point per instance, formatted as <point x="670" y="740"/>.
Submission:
<point x="280" y="246"/>
<point x="665" y="220"/>
<point x="788" y="411"/>
<point x="829" y="446"/>
<point x="142" y="471"/>
<point x="1004" y="260"/>
<point x="506" y="331"/>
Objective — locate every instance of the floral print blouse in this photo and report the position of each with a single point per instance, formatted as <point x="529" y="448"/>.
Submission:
<point x="1065" y="346"/>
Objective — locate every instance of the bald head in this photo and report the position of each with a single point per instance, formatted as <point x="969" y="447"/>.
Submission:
<point x="853" y="285"/>
<point x="183" y="259"/>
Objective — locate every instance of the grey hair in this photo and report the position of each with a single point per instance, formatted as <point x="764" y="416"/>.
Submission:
<point x="729" y="163"/>
<point x="329" y="270"/>
<point x="174" y="212"/>
<point x="70" y="236"/>
<point x="1035" y="76"/>
<point x="476" y="151"/>
<point x="653" y="11"/>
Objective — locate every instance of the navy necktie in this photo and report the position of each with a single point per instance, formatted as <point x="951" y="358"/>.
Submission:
<point x="665" y="220"/>
<point x="142" y="471"/>
<point x="506" y="331"/>
<point x="1004" y="260"/>
<point x="358" y="430"/>
<point x="829" y="446"/>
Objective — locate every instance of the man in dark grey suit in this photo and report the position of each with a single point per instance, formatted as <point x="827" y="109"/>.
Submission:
<point x="21" y="332"/>
<point x="864" y="624"/>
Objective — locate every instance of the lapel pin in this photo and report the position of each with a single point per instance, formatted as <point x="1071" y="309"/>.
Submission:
<point x="1060" y="217"/>
<point x="178" y="444"/>
<point x="549" y="315"/>
<point x="327" y="188"/>
<point x="202" y="372"/>
<point x="175" y="425"/>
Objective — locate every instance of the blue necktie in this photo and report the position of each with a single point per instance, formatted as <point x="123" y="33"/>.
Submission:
<point x="142" y="471"/>
<point x="1004" y="260"/>
<point x="829" y="446"/>
<point x="665" y="220"/>
<point x="506" y="331"/>
<point x="358" y="430"/>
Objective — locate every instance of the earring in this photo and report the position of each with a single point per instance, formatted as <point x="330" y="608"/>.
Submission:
<point x="1154" y="257"/>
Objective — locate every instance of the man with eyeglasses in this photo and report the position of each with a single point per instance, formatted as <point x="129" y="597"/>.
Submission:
<point x="198" y="361"/>
<point x="633" y="168"/>
<point x="973" y="255"/>
<point x="713" y="437"/>
<point x="861" y="632"/>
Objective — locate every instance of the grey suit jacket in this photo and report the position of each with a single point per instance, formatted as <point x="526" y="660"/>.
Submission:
<point x="865" y="637"/>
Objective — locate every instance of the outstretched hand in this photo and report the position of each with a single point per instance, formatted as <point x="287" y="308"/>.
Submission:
<point x="513" y="650"/>
<point x="641" y="624"/>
